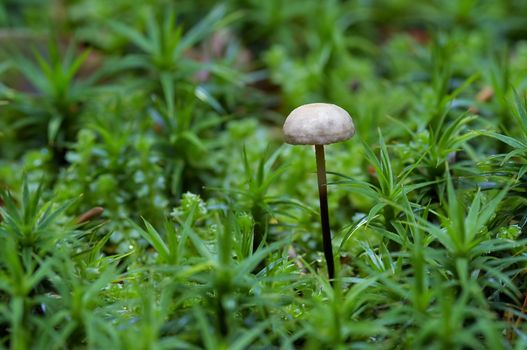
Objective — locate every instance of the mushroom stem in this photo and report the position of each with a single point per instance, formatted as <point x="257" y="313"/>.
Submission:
<point x="324" y="215"/>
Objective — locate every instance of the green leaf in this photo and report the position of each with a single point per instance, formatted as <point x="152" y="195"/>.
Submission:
<point x="154" y="238"/>
<point x="133" y="35"/>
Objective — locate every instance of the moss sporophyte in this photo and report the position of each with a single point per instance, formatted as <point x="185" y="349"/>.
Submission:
<point x="320" y="124"/>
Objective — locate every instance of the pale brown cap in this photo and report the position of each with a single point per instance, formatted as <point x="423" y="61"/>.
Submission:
<point x="318" y="124"/>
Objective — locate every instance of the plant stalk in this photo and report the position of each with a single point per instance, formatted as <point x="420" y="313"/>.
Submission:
<point x="324" y="215"/>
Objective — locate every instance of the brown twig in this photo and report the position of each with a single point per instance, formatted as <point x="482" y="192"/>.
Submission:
<point x="509" y="316"/>
<point x="89" y="215"/>
<point x="523" y="311"/>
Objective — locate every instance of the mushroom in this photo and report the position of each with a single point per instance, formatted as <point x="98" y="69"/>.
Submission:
<point x="320" y="124"/>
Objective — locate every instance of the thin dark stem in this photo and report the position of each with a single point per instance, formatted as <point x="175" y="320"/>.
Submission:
<point x="324" y="215"/>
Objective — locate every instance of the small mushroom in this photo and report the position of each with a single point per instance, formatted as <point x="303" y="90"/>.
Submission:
<point x="320" y="124"/>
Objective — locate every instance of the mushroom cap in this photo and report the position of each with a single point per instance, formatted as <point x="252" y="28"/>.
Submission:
<point x="318" y="124"/>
